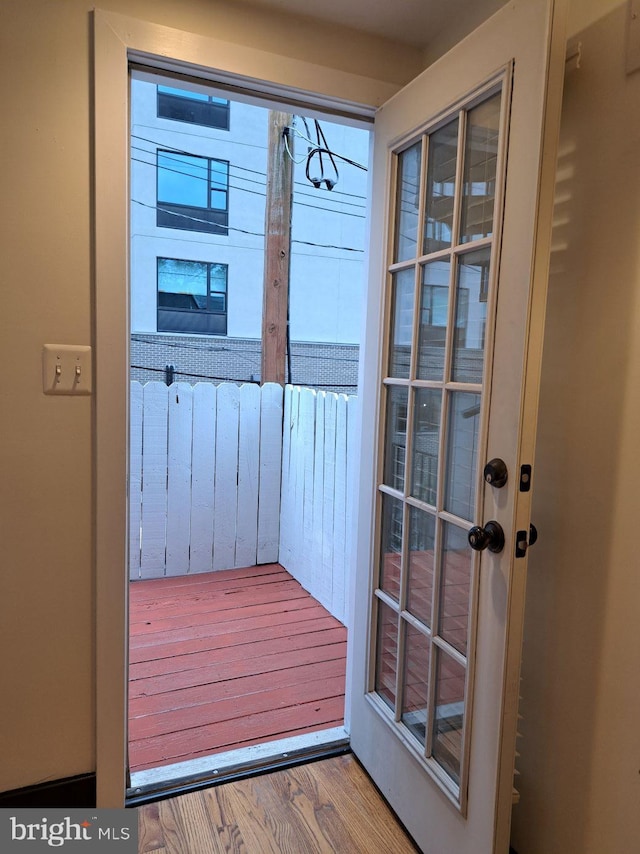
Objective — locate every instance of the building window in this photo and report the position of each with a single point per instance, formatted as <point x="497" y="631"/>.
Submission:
<point x="181" y="105"/>
<point x="193" y="193"/>
<point x="192" y="296"/>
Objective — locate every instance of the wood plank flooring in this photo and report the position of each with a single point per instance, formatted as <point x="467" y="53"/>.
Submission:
<point x="322" y="807"/>
<point x="229" y="659"/>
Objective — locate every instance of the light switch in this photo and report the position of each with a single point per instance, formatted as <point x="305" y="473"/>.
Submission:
<point x="66" y="369"/>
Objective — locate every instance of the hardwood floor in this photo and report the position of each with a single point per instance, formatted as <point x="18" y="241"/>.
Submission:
<point x="229" y="659"/>
<point x="322" y="807"/>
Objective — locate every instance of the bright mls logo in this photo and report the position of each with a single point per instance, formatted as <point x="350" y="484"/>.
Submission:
<point x="42" y="830"/>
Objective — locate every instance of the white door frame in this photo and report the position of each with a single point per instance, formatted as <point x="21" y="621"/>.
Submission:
<point x="119" y="41"/>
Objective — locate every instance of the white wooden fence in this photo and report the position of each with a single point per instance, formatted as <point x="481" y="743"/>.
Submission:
<point x="204" y="490"/>
<point x="219" y="480"/>
<point x="317" y="480"/>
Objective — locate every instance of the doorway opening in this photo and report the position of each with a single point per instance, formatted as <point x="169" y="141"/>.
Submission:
<point x="239" y="518"/>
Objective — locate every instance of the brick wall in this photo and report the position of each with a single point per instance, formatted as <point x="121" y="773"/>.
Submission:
<point x="330" y="367"/>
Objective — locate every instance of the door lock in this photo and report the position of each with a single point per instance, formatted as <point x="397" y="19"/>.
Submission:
<point x="490" y="537"/>
<point x="495" y="473"/>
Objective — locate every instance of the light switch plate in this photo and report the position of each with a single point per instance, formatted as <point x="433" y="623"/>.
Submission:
<point x="66" y="369"/>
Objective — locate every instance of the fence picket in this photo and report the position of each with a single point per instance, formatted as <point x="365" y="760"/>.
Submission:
<point x="135" y="478"/>
<point x="317" y="507"/>
<point x="154" y="474"/>
<point x="326" y="579"/>
<point x="202" y="477"/>
<point x="271" y="461"/>
<point x="289" y="506"/>
<point x="180" y="433"/>
<point x="226" y="480"/>
<point x="306" y="436"/>
<point x="351" y="514"/>
<point x="249" y="451"/>
<point x="340" y="511"/>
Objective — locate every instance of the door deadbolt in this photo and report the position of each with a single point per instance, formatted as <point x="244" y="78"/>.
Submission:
<point x="495" y="473"/>
<point x="490" y="537"/>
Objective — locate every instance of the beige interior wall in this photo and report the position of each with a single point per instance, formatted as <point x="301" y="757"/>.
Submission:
<point x="580" y="762"/>
<point x="46" y="583"/>
<point x="581" y="777"/>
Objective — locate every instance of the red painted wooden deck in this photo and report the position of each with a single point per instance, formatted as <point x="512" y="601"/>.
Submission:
<point x="227" y="659"/>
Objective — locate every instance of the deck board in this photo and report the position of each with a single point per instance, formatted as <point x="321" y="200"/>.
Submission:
<point x="229" y="659"/>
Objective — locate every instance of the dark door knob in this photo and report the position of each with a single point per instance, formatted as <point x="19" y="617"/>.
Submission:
<point x="490" y="537"/>
<point x="495" y="473"/>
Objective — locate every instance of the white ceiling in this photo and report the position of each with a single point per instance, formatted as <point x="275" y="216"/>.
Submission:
<point x="413" y="22"/>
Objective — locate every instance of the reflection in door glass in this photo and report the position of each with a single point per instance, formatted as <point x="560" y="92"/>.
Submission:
<point x="455" y="587"/>
<point x="426" y="436"/>
<point x="407" y="203"/>
<point x="396" y="437"/>
<point x="480" y="170"/>
<point x="472" y="292"/>
<point x="462" y="454"/>
<point x="391" y="546"/>
<point x="387" y="654"/>
<point x="449" y="714"/>
<point x="416" y="679"/>
<point x="422" y="531"/>
<point x="434" y="311"/>
<point x="402" y="286"/>
<point x="441" y="180"/>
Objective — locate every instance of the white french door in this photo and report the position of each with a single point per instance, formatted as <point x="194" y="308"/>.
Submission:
<point x="462" y="189"/>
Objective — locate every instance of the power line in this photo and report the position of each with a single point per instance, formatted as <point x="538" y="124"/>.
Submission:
<point x="326" y="246"/>
<point x="170" y="148"/>
<point x="246" y="190"/>
<point x="137" y="336"/>
<point x="198" y="219"/>
<point x="244" y="381"/>
<point x="246" y="231"/>
<point x="188" y="374"/>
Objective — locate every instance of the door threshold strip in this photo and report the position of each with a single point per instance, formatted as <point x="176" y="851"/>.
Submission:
<point x="170" y="780"/>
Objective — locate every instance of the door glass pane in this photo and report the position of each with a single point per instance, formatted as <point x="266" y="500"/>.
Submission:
<point x="449" y="714"/>
<point x="415" y="681"/>
<point x="472" y="290"/>
<point x="441" y="181"/>
<point x="422" y="529"/>
<point x="434" y="309"/>
<point x="462" y="454"/>
<point x="480" y="169"/>
<point x="395" y="437"/>
<point x="403" y="286"/>
<point x="391" y="546"/>
<point x="387" y="654"/>
<point x="455" y="587"/>
<point x="407" y="203"/>
<point x="426" y="430"/>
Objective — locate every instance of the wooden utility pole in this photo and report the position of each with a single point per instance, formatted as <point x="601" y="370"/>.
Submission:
<point x="277" y="249"/>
